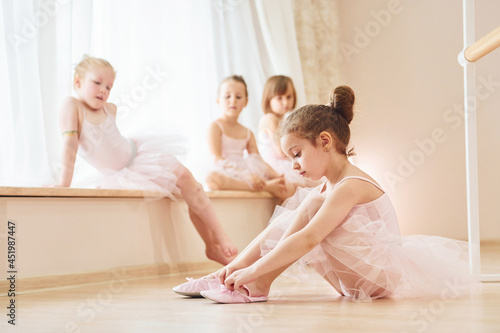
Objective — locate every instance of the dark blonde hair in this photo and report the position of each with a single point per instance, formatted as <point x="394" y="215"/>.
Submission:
<point x="236" y="78"/>
<point x="87" y="62"/>
<point x="310" y="120"/>
<point x="276" y="85"/>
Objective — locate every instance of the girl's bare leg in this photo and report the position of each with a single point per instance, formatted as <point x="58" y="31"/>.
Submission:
<point x="279" y="188"/>
<point x="218" y="245"/>
<point x="217" y="181"/>
<point x="308" y="208"/>
<point x="252" y="252"/>
<point x="276" y="186"/>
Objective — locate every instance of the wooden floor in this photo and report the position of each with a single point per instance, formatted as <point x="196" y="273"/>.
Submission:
<point x="149" y="305"/>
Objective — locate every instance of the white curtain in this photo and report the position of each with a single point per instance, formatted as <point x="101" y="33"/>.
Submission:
<point x="169" y="57"/>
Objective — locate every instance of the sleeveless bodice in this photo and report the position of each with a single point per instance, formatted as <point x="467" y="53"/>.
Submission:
<point x="267" y="149"/>
<point x="380" y="209"/>
<point x="103" y="147"/>
<point x="231" y="146"/>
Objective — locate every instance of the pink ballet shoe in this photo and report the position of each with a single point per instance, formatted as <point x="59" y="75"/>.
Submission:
<point x="193" y="287"/>
<point x="224" y="295"/>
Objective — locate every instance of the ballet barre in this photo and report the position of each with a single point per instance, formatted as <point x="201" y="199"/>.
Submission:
<point x="481" y="48"/>
<point x="473" y="51"/>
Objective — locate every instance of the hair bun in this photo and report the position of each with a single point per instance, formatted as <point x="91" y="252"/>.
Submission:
<point x="342" y="102"/>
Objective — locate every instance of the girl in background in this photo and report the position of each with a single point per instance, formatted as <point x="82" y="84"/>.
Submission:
<point x="88" y="125"/>
<point x="346" y="228"/>
<point x="228" y="142"/>
<point x="278" y="99"/>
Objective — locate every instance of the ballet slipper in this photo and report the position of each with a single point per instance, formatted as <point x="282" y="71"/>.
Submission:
<point x="226" y="296"/>
<point x="193" y="287"/>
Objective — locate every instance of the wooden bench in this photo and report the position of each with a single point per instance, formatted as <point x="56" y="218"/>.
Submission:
<point x="71" y="236"/>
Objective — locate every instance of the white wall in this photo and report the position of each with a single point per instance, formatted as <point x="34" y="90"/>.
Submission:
<point x="400" y="57"/>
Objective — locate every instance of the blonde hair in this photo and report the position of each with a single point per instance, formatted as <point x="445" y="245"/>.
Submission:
<point x="86" y="63"/>
<point x="276" y="85"/>
<point x="310" y="120"/>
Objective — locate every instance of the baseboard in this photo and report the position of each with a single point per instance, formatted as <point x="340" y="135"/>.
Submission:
<point x="112" y="277"/>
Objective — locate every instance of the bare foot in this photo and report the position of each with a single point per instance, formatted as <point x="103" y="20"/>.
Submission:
<point x="222" y="253"/>
<point x="227" y="245"/>
<point x="254" y="290"/>
<point x="276" y="187"/>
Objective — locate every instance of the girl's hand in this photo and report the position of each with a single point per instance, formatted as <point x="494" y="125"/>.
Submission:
<point x="225" y="164"/>
<point x="224" y="272"/>
<point x="240" y="277"/>
<point x="277" y="186"/>
<point x="228" y="165"/>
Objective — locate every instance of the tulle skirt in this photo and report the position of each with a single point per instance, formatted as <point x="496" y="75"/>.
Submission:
<point x="242" y="167"/>
<point x="154" y="167"/>
<point x="365" y="257"/>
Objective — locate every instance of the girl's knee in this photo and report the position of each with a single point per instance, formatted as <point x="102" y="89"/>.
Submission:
<point x="315" y="202"/>
<point x="214" y="181"/>
<point x="186" y="178"/>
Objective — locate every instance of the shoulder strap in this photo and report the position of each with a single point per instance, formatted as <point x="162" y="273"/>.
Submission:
<point x="83" y="110"/>
<point x="220" y="125"/>
<point x="104" y="109"/>
<point x="360" y="178"/>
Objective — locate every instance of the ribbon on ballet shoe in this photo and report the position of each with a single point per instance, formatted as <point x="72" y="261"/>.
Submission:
<point x="194" y="287"/>
<point x="226" y="296"/>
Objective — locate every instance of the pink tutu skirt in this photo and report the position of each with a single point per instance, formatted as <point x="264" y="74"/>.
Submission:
<point x="242" y="167"/>
<point x="154" y="167"/>
<point x="366" y="258"/>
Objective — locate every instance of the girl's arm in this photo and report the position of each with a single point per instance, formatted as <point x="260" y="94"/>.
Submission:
<point x="252" y="145"/>
<point x="269" y="125"/>
<point x="332" y="212"/>
<point x="69" y="125"/>
<point x="214" y="141"/>
<point x="253" y="149"/>
<point x="245" y="258"/>
<point x="111" y="109"/>
<point x="252" y="251"/>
